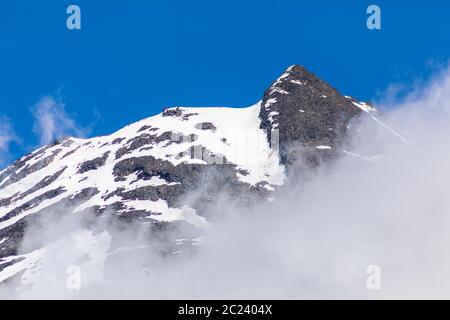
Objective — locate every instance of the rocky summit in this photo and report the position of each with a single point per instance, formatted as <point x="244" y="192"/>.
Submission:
<point x="166" y="172"/>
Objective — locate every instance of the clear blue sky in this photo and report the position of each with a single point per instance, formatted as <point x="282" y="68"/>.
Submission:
<point x="133" y="57"/>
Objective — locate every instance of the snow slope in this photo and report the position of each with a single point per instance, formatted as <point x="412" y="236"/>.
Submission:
<point x="237" y="137"/>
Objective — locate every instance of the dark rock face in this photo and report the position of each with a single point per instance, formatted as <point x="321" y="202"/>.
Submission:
<point x="177" y="112"/>
<point x="118" y="140"/>
<point x="93" y="164"/>
<point x="70" y="152"/>
<point x="206" y="126"/>
<point x="308" y="113"/>
<point x="188" y="177"/>
<point x="147" y="140"/>
<point x="41" y="184"/>
<point x="17" y="171"/>
<point x="143" y="128"/>
<point x="33" y="203"/>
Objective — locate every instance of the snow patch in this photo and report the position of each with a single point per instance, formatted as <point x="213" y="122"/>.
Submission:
<point x="364" y="107"/>
<point x="297" y="82"/>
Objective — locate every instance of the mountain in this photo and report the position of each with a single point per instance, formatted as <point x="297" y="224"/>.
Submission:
<point x="166" y="172"/>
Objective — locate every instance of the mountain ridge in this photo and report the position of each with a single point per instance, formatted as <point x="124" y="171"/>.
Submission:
<point x="149" y="170"/>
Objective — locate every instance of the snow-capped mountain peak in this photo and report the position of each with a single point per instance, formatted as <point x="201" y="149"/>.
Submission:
<point x="145" y="170"/>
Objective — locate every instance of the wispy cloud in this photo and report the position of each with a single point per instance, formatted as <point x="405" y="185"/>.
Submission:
<point x="7" y="137"/>
<point x="51" y="121"/>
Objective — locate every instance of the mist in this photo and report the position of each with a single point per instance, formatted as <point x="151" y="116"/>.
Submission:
<point x="384" y="203"/>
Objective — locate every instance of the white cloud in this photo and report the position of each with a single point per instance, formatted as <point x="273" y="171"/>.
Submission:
<point x="7" y="136"/>
<point x="51" y="121"/>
